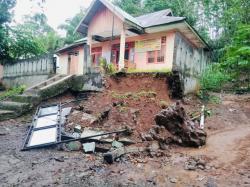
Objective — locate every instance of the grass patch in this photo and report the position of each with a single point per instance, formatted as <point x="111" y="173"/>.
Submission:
<point x="122" y="109"/>
<point x="163" y="104"/>
<point x="214" y="78"/>
<point x="148" y="94"/>
<point x="214" y="99"/>
<point x="12" y="92"/>
<point x="135" y="96"/>
<point x="163" y="70"/>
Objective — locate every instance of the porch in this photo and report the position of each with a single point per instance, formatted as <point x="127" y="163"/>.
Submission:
<point x="138" y="52"/>
<point x="112" y="54"/>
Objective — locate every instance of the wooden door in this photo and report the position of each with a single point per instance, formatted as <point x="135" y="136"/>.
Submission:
<point x="115" y="57"/>
<point x="73" y="60"/>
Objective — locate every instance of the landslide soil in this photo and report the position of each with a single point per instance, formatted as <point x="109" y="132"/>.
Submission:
<point x="227" y="152"/>
<point x="133" y="100"/>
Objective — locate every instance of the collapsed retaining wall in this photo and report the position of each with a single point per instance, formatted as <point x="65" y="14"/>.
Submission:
<point x="87" y="82"/>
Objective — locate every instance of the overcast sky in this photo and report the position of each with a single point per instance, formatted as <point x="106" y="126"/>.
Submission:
<point x="57" y="11"/>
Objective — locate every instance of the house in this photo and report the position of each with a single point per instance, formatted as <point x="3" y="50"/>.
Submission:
<point x="70" y="58"/>
<point x="153" y="42"/>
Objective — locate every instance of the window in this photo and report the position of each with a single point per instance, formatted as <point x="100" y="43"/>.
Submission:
<point x="69" y="58"/>
<point x="131" y="54"/>
<point x="157" y="56"/>
<point x="151" y="56"/>
<point x="126" y="55"/>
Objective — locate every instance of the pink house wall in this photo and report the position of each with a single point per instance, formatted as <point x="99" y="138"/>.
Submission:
<point x="140" y="59"/>
<point x="102" y="23"/>
<point x="76" y="64"/>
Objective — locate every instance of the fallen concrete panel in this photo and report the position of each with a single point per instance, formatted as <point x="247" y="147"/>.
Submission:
<point x="45" y="129"/>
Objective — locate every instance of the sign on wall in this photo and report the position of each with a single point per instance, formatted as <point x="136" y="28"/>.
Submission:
<point x="147" y="45"/>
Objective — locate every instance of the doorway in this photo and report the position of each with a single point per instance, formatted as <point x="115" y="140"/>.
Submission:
<point x="73" y="60"/>
<point x="115" y="57"/>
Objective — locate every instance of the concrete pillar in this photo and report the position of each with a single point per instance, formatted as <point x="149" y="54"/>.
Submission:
<point x="87" y="55"/>
<point x="89" y="41"/>
<point x="122" y="49"/>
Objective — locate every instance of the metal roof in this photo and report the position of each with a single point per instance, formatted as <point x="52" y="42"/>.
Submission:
<point x="73" y="45"/>
<point x="158" y="18"/>
<point x="151" y="20"/>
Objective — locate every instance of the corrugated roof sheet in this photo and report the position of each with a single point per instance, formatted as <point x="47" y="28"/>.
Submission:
<point x="158" y="18"/>
<point x="73" y="45"/>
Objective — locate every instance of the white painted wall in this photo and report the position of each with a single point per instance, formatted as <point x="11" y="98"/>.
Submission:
<point x="190" y="61"/>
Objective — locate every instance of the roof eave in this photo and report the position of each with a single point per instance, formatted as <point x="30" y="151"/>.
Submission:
<point x="191" y="28"/>
<point x="198" y="35"/>
<point x="66" y="48"/>
<point x="88" y="11"/>
<point x="164" y="24"/>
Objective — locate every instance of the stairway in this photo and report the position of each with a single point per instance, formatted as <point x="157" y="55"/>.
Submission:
<point x="20" y="104"/>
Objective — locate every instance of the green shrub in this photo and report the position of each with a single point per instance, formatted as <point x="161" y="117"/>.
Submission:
<point x="12" y="92"/>
<point x="214" y="78"/>
<point x="162" y="70"/>
<point x="108" y="68"/>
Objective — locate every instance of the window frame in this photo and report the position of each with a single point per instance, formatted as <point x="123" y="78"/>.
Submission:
<point x="156" y="53"/>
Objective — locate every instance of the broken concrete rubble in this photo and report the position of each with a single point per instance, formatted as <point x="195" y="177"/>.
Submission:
<point x="73" y="146"/>
<point x="89" y="147"/>
<point x="146" y="137"/>
<point x="194" y="163"/>
<point x="78" y="129"/>
<point x="104" y="114"/>
<point x="126" y="141"/>
<point x="65" y="113"/>
<point x="177" y="122"/>
<point x="117" y="144"/>
<point x="103" y="148"/>
<point x="88" y="118"/>
<point x="111" y="156"/>
<point x="88" y="132"/>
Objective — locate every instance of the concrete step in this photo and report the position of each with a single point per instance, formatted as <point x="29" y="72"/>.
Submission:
<point x="31" y="92"/>
<point x="56" y="87"/>
<point x="26" y="98"/>
<point x="46" y="82"/>
<point x="7" y="114"/>
<point x="20" y="108"/>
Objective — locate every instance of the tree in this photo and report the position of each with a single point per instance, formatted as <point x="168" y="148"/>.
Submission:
<point x="5" y="18"/>
<point x="24" y="45"/>
<point x="37" y="23"/>
<point x="133" y="7"/>
<point x="180" y="7"/>
<point x="38" y="27"/>
<point x="29" y="39"/>
<point x="70" y="25"/>
<point x="5" y="8"/>
<point x="237" y="57"/>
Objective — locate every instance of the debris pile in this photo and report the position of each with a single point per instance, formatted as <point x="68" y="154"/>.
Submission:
<point x="183" y="130"/>
<point x="198" y="162"/>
